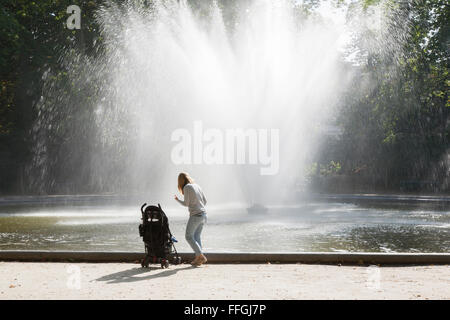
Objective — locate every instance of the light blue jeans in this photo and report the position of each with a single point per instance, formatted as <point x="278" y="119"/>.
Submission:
<point x="194" y="230"/>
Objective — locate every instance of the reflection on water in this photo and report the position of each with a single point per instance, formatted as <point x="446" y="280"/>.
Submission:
<point x="315" y="227"/>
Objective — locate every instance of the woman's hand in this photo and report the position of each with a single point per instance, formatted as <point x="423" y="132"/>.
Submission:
<point x="176" y="198"/>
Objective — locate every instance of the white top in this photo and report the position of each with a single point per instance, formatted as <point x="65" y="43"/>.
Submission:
<point x="194" y="199"/>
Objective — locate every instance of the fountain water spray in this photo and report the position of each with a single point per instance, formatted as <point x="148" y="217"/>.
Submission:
<point x="164" y="66"/>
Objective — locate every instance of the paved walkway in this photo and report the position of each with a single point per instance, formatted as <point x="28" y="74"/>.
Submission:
<point x="221" y="281"/>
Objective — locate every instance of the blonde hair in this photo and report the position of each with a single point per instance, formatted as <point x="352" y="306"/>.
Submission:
<point x="183" y="179"/>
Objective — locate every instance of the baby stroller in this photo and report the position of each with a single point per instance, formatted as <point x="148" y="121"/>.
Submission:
<point x="158" y="240"/>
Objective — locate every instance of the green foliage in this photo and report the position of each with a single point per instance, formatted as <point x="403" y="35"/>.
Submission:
<point x="399" y="126"/>
<point x="34" y="36"/>
<point x="395" y="120"/>
<point x="319" y="169"/>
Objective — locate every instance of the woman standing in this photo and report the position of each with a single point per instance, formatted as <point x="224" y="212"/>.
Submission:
<point x="195" y="200"/>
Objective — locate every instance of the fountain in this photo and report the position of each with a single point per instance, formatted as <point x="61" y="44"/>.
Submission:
<point x="262" y="70"/>
<point x="237" y="93"/>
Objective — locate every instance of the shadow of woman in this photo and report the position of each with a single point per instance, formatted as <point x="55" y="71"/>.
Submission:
<point x="133" y="275"/>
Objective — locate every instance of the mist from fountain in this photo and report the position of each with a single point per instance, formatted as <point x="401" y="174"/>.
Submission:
<point x="169" y="65"/>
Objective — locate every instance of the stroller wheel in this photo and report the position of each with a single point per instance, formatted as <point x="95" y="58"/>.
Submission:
<point x="165" y="264"/>
<point x="145" y="262"/>
<point x="176" y="260"/>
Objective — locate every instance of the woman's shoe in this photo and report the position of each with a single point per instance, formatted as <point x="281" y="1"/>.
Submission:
<point x="201" y="260"/>
<point x="194" y="262"/>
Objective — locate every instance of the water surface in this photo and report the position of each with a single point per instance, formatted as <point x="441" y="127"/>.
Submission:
<point x="308" y="226"/>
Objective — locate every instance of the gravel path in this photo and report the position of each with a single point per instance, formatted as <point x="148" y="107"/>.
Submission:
<point x="221" y="281"/>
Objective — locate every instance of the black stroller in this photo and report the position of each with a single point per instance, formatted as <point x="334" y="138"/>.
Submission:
<point x="158" y="240"/>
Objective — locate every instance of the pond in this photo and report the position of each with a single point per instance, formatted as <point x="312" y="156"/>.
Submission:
<point x="307" y="226"/>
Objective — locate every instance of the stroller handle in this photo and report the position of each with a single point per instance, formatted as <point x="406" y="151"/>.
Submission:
<point x="142" y="208"/>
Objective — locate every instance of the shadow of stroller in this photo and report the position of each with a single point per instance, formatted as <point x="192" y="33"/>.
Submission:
<point x="132" y="275"/>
